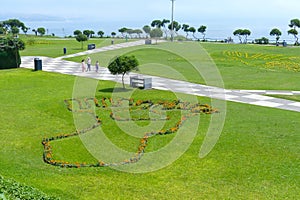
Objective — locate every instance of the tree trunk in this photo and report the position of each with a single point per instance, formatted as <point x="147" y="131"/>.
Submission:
<point x="123" y="80"/>
<point x="240" y="37"/>
<point x="296" y="40"/>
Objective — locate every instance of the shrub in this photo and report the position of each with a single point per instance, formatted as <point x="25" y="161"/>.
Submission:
<point x="11" y="189"/>
<point x="9" y="52"/>
<point x="8" y="59"/>
<point x="262" y="40"/>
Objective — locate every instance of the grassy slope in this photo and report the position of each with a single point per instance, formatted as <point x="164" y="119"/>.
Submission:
<point x="45" y="46"/>
<point x="256" y="156"/>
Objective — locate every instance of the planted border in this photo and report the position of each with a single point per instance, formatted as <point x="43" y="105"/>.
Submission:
<point x="276" y="61"/>
<point x="105" y="103"/>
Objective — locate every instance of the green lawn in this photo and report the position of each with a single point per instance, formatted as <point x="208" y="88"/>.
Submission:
<point x="256" y="157"/>
<point x="53" y="47"/>
<point x="240" y="66"/>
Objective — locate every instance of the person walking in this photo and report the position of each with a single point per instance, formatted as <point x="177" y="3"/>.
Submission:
<point x="97" y="65"/>
<point x="83" y="66"/>
<point x="88" y="62"/>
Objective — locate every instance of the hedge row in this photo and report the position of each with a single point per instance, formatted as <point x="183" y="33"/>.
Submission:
<point x="9" y="59"/>
<point x="9" y="52"/>
<point x="10" y="189"/>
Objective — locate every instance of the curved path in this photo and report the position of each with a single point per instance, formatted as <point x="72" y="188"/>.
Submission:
<point x="253" y="97"/>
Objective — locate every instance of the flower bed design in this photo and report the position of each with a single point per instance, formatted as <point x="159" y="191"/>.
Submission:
<point x="267" y="61"/>
<point x="86" y="105"/>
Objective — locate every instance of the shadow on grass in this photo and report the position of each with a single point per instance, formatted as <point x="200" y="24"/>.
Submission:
<point x="117" y="89"/>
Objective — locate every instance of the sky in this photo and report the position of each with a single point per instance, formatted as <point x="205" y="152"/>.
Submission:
<point x="220" y="16"/>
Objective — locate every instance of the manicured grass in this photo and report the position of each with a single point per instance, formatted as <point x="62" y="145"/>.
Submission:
<point x="53" y="47"/>
<point x="240" y="66"/>
<point x="257" y="67"/>
<point x="256" y="156"/>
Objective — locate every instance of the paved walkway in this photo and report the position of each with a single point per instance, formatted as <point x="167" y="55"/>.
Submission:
<point x="253" y="97"/>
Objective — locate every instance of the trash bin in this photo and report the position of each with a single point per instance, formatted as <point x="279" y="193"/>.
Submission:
<point x="148" y="41"/>
<point x="91" y="46"/>
<point x="65" y="50"/>
<point x="37" y="64"/>
<point x="112" y="42"/>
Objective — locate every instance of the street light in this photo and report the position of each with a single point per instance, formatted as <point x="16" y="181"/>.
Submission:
<point x="172" y="22"/>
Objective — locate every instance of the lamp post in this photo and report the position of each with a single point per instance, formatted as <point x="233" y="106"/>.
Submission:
<point x="172" y="22"/>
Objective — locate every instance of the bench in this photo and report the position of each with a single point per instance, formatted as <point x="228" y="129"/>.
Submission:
<point x="140" y="82"/>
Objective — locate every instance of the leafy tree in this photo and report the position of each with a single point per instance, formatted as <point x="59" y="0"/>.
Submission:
<point x="41" y="31"/>
<point x="138" y="32"/>
<point x="100" y="33"/>
<point x="246" y="33"/>
<point x="276" y="32"/>
<point x="87" y="33"/>
<point x="35" y="31"/>
<point x="147" y="29"/>
<point x="242" y="33"/>
<point x="185" y="28"/>
<point x="123" y="65"/>
<point x="156" y="23"/>
<point x="176" y="27"/>
<point x="164" y="23"/>
<point x="238" y="33"/>
<point x="123" y="30"/>
<point x="130" y="31"/>
<point x="113" y="34"/>
<point x="202" y="30"/>
<point x="294" y="24"/>
<point x="294" y="32"/>
<point x="77" y="32"/>
<point x="193" y="31"/>
<point x="92" y="33"/>
<point x="13" y="24"/>
<point x="15" y="30"/>
<point x="81" y="38"/>
<point x="25" y="29"/>
<point x="156" y="33"/>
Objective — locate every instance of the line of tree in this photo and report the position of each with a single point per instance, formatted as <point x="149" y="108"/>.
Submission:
<point x="130" y="32"/>
<point x="167" y="26"/>
<point x="13" y="26"/>
<point x="243" y="34"/>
